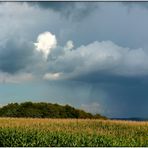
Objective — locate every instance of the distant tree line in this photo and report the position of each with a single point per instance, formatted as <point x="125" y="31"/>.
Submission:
<point x="44" y="110"/>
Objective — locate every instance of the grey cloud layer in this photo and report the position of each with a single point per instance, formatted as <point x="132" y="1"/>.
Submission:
<point x="71" y="10"/>
<point x="131" y="5"/>
<point x="15" y="55"/>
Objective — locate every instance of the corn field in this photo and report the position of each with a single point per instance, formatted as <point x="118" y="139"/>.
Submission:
<point x="31" y="132"/>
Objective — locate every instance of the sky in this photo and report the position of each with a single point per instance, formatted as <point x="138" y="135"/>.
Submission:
<point x="91" y="55"/>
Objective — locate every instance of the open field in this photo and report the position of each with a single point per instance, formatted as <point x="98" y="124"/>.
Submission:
<point x="72" y="132"/>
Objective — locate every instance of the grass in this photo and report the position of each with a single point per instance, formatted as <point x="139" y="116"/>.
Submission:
<point x="71" y="132"/>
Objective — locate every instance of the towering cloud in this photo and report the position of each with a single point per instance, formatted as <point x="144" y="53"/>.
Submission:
<point x="45" y="43"/>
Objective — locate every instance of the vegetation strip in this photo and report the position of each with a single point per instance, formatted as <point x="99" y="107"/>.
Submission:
<point x="71" y="132"/>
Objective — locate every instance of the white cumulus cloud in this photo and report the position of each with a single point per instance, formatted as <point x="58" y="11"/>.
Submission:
<point x="105" y="56"/>
<point x="52" y="76"/>
<point x="45" y="43"/>
<point x="69" y="45"/>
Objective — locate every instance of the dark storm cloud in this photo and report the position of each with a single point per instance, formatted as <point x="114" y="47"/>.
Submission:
<point x="122" y="97"/>
<point x="15" y="55"/>
<point x="105" y="77"/>
<point x="72" y="10"/>
<point x="127" y="99"/>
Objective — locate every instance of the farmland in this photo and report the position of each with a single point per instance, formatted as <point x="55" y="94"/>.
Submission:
<point x="72" y="132"/>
